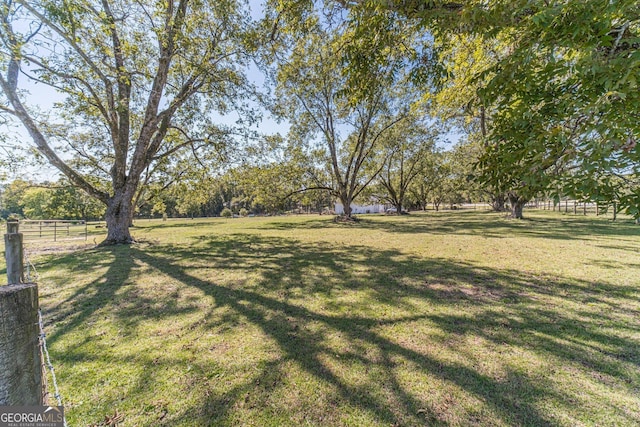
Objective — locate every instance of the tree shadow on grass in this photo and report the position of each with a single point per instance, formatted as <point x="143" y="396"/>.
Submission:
<point x="280" y="321"/>
<point x="388" y="317"/>
<point x="143" y="224"/>
<point x="84" y="300"/>
<point x="274" y="303"/>
<point x="113" y="292"/>
<point x="484" y="223"/>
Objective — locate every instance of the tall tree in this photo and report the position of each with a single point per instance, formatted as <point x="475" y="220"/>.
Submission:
<point x="465" y="57"/>
<point x="443" y="179"/>
<point x="432" y="176"/>
<point x="341" y="123"/>
<point x="568" y="97"/>
<point x="571" y="73"/>
<point x="406" y="151"/>
<point x="138" y="81"/>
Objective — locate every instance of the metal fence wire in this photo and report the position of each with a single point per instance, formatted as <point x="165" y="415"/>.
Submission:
<point x="49" y="365"/>
<point x="32" y="276"/>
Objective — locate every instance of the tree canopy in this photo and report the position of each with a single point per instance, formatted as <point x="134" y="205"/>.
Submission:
<point x="545" y="92"/>
<point x="342" y="123"/>
<point x="562" y="89"/>
<point x="138" y="81"/>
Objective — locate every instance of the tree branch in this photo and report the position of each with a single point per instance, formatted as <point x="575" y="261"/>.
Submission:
<point x="43" y="146"/>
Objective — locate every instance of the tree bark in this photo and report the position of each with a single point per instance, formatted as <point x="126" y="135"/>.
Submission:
<point x="497" y="202"/>
<point x="516" y="210"/>
<point x="517" y="204"/>
<point x="347" y="206"/>
<point x="119" y="215"/>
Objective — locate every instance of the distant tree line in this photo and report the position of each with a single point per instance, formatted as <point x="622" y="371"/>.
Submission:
<point x="59" y="200"/>
<point x="442" y="178"/>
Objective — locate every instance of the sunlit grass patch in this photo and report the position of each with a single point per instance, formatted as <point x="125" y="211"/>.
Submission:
<point x="460" y="318"/>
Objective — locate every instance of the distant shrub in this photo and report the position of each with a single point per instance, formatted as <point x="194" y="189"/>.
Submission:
<point x="243" y="212"/>
<point x="226" y="213"/>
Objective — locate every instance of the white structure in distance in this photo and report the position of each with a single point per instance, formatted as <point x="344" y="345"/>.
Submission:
<point x="360" y="209"/>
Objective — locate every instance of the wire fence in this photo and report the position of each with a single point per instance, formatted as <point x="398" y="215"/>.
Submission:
<point x="32" y="276"/>
<point x="47" y="360"/>
<point x="564" y="206"/>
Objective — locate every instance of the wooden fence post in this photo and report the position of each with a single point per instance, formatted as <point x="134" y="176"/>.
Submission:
<point x="14" y="253"/>
<point x="20" y="361"/>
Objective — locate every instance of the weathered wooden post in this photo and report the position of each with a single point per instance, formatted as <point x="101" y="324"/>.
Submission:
<point x="14" y="253"/>
<point x="20" y="362"/>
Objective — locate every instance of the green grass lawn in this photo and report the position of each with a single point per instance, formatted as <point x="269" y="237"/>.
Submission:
<point x="459" y="318"/>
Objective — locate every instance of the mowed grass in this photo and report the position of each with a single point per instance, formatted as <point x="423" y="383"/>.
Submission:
<point x="453" y="319"/>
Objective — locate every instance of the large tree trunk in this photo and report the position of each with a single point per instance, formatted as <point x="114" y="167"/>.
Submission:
<point x="400" y="201"/>
<point x="516" y="210"/>
<point x="497" y="202"/>
<point x="346" y="203"/>
<point x="517" y="204"/>
<point x="119" y="216"/>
